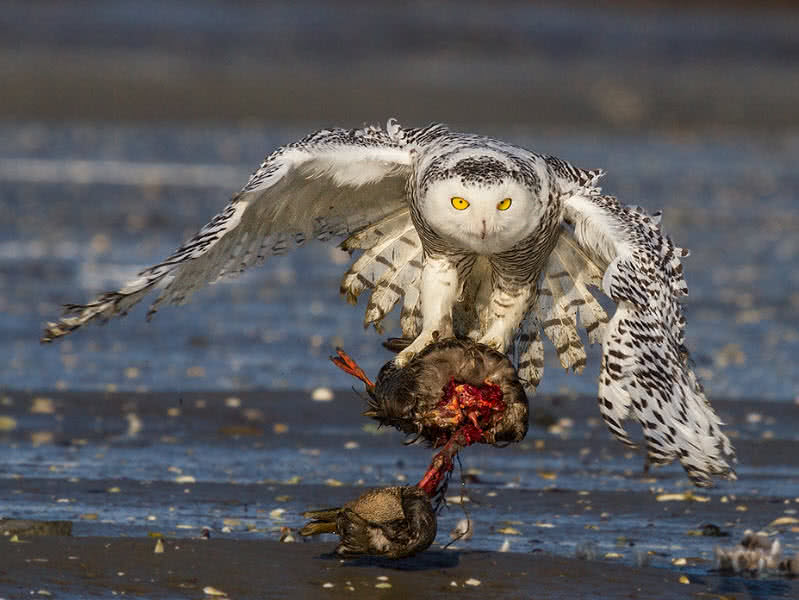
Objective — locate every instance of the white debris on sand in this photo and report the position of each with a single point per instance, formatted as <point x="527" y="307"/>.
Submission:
<point x="463" y="530"/>
<point x="756" y="553"/>
<point x="322" y="394"/>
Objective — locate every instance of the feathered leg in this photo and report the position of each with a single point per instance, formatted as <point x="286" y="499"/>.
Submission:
<point x="438" y="294"/>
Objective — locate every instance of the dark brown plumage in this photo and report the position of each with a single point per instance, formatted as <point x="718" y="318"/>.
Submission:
<point x="393" y="522"/>
<point x="452" y="394"/>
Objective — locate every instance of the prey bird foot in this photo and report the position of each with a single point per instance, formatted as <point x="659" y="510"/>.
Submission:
<point x="440" y="467"/>
<point x="347" y="364"/>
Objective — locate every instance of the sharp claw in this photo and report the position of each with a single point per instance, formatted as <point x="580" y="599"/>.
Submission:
<point x="403" y="358"/>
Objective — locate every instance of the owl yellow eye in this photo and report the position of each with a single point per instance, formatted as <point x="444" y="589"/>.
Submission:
<point x="505" y="204"/>
<point x="459" y="203"/>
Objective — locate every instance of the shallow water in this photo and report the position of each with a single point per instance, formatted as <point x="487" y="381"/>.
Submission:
<point x="128" y="464"/>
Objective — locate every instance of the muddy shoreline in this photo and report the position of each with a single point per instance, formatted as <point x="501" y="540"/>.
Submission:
<point x="258" y="569"/>
<point x="125" y="467"/>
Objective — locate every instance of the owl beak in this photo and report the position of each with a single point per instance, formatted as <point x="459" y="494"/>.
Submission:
<point x="483" y="234"/>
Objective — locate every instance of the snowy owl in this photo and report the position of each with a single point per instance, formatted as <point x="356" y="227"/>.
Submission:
<point x="472" y="237"/>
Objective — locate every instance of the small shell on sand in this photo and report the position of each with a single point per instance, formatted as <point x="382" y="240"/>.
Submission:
<point x="322" y="394"/>
<point x="463" y="530"/>
<point x="457" y="499"/>
<point x="756" y="553"/>
<point x="42" y="406"/>
<point x="682" y="497"/>
<point x="783" y="521"/>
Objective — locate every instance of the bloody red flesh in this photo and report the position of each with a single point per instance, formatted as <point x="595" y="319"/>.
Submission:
<point x="471" y="410"/>
<point x="461" y="417"/>
<point x="462" y="402"/>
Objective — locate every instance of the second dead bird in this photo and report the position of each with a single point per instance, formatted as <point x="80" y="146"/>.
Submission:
<point x="393" y="522"/>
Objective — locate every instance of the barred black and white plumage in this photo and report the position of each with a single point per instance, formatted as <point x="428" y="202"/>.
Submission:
<point x="471" y="237"/>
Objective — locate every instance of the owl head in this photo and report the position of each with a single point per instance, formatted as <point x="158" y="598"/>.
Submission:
<point x="482" y="205"/>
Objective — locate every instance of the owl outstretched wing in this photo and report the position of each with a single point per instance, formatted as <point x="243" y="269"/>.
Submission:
<point x="330" y="184"/>
<point x="646" y="371"/>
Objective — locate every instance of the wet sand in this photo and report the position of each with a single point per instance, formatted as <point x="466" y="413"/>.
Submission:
<point x="269" y="569"/>
<point x="124" y="467"/>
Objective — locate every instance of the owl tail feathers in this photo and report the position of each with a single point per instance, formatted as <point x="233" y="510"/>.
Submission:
<point x="104" y="306"/>
<point x="652" y="381"/>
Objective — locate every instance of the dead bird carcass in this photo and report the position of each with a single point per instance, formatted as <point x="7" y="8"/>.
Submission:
<point x="454" y="393"/>
<point x="394" y="522"/>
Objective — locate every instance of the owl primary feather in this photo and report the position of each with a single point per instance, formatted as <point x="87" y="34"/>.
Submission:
<point x="471" y="237"/>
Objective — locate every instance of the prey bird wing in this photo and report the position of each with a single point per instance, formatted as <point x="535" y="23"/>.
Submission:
<point x="330" y="184"/>
<point x="646" y="371"/>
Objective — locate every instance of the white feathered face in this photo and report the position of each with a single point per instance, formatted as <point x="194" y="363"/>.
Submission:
<point x="485" y="219"/>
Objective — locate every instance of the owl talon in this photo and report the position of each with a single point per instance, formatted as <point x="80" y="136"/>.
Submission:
<point x="419" y="344"/>
<point x="404" y="357"/>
